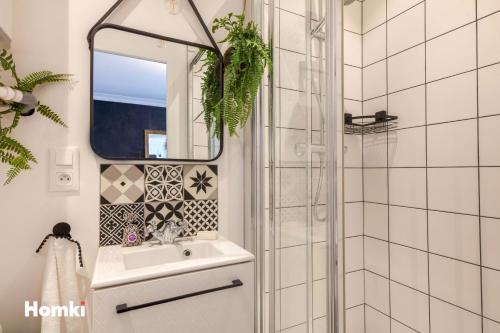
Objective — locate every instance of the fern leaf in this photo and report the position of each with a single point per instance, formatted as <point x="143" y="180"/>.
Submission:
<point x="47" y="112"/>
<point x="8" y="144"/>
<point x="19" y="165"/>
<point x="32" y="80"/>
<point x="7" y="63"/>
<point x="7" y="158"/>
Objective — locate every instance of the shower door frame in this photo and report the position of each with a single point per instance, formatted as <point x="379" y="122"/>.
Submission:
<point x="334" y="166"/>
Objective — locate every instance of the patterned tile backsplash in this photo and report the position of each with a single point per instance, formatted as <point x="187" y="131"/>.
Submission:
<point x="157" y="194"/>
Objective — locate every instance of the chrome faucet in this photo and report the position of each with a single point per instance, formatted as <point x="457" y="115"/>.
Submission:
<point x="169" y="233"/>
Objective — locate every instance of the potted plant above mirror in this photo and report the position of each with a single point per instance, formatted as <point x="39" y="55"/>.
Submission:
<point x="18" y="101"/>
<point x="244" y="62"/>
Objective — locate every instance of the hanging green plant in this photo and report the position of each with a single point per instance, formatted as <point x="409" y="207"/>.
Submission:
<point x="244" y="64"/>
<point x="12" y="152"/>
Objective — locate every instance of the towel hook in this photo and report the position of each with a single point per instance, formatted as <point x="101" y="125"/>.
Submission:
<point x="62" y="230"/>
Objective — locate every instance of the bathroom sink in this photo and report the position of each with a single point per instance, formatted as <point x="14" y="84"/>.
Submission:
<point x="159" y="255"/>
<point x="116" y="265"/>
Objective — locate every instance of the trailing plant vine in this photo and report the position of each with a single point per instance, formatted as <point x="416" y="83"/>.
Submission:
<point x="245" y="61"/>
<point x="12" y="152"/>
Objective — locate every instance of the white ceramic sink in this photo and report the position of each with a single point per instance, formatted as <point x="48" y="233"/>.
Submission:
<point x="159" y="255"/>
<point x="117" y="265"/>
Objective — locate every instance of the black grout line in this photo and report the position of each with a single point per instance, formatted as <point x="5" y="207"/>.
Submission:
<point x="434" y="81"/>
<point x="429" y="209"/>
<point x="432" y="296"/>
<point x="387" y="156"/>
<point x="362" y="164"/>
<point x="427" y="170"/>
<point x="353" y="100"/>
<point x="479" y="172"/>
<point x="354" y="66"/>
<point x="430" y="252"/>
<point x="353" y="32"/>
<point x="354" y="306"/>
<point x="390" y="318"/>
<point x="387" y="19"/>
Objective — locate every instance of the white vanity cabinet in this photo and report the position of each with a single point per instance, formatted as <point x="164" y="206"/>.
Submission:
<point x="206" y="301"/>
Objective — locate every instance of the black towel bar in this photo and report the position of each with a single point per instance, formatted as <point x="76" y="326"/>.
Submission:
<point x="121" y="308"/>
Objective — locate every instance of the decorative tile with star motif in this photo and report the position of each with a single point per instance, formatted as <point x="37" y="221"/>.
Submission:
<point x="122" y="184"/>
<point x="200" y="182"/>
<point x="163" y="183"/>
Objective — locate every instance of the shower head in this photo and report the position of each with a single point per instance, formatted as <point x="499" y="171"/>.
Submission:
<point x="348" y="2"/>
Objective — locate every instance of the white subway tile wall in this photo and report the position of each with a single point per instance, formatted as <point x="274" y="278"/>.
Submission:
<point x="428" y="213"/>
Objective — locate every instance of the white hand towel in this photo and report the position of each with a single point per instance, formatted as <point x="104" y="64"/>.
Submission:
<point x="64" y="281"/>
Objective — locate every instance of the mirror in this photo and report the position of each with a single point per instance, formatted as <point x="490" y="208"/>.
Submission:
<point x="146" y="97"/>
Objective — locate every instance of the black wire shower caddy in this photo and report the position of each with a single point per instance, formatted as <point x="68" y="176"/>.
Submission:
<point x="381" y="122"/>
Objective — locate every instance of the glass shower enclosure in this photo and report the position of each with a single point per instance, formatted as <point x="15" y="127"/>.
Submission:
<point x="300" y="264"/>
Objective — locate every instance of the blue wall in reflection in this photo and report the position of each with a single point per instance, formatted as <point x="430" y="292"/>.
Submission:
<point x="119" y="128"/>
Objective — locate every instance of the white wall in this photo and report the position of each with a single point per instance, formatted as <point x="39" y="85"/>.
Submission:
<point x="5" y="21"/>
<point x="52" y="35"/>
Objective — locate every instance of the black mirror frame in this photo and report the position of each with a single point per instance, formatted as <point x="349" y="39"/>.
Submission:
<point x="90" y="38"/>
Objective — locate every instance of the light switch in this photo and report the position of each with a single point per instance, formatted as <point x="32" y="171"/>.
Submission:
<point x="64" y="169"/>
<point x="64" y="157"/>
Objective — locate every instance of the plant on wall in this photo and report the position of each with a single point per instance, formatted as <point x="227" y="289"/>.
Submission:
<point x="244" y="64"/>
<point x="12" y="152"/>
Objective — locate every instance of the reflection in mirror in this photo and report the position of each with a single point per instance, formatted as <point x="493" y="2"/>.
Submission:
<point x="147" y="99"/>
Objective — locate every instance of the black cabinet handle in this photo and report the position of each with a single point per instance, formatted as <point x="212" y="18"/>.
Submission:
<point x="121" y="308"/>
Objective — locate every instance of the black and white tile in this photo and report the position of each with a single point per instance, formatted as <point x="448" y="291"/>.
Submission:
<point x="202" y="215"/>
<point x="163" y="183"/>
<point x="113" y="221"/>
<point x="122" y="184"/>
<point x="200" y="182"/>
<point x="159" y="213"/>
<point x="157" y="194"/>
